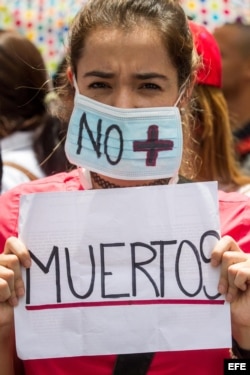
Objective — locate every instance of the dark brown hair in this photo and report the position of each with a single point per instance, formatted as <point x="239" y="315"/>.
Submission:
<point x="23" y="83"/>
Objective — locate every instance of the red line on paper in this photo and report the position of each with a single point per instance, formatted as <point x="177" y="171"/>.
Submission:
<point x="124" y="303"/>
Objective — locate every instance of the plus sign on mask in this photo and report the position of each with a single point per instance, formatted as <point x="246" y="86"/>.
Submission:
<point x="129" y="144"/>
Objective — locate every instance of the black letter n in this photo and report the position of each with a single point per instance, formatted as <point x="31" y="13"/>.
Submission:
<point x="95" y="142"/>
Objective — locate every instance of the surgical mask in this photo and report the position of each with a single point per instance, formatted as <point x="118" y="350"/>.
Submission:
<point x="128" y="144"/>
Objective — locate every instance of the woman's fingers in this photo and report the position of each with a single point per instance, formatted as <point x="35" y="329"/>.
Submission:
<point x="235" y="268"/>
<point x="6" y="283"/>
<point x="8" y="291"/>
<point x="224" y="244"/>
<point x="227" y="275"/>
<point x="238" y="279"/>
<point x="11" y="284"/>
<point x="14" y="246"/>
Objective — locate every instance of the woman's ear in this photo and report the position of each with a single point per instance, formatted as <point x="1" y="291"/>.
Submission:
<point x="70" y="76"/>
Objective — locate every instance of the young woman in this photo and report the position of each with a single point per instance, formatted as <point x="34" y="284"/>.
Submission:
<point x="125" y="58"/>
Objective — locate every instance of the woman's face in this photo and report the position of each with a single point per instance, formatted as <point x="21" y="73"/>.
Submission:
<point x="127" y="70"/>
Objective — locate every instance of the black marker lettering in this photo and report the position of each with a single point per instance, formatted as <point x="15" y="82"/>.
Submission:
<point x="162" y="273"/>
<point x="138" y="265"/>
<point x="96" y="143"/>
<point x="104" y="273"/>
<point x="154" y="254"/>
<point x="119" y="156"/>
<point x="79" y="139"/>
<point x="45" y="269"/>
<point x="208" y="260"/>
<point x="177" y="270"/>
<point x="70" y="281"/>
<point x="203" y="237"/>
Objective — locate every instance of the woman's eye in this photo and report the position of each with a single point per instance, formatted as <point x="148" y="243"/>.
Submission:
<point x="150" y="86"/>
<point x="99" y="85"/>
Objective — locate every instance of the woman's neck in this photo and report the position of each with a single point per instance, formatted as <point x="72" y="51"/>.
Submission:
<point x="101" y="183"/>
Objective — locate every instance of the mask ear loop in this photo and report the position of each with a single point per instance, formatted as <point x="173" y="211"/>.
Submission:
<point x="85" y="178"/>
<point x="174" y="180"/>
<point x="75" y="84"/>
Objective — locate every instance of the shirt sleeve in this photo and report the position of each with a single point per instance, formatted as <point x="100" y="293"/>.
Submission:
<point x="9" y="212"/>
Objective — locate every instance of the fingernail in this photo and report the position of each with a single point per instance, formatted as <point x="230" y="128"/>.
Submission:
<point x="229" y="297"/>
<point x="20" y="292"/>
<point x="27" y="263"/>
<point x="214" y="262"/>
<point x="221" y="289"/>
<point x="13" y="301"/>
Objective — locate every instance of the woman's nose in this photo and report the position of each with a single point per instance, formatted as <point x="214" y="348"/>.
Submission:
<point x="123" y="99"/>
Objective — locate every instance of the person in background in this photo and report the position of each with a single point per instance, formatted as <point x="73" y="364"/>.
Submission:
<point x="234" y="43"/>
<point x="112" y="70"/>
<point x="212" y="136"/>
<point x="30" y="136"/>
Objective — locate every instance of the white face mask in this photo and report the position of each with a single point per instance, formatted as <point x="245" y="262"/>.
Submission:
<point x="128" y="144"/>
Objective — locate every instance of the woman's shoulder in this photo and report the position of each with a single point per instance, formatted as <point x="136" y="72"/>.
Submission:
<point x="59" y="181"/>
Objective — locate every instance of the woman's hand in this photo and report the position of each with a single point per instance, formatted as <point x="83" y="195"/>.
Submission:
<point x="11" y="288"/>
<point x="11" y="284"/>
<point x="234" y="283"/>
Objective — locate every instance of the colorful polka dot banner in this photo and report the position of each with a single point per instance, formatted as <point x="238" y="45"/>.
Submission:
<point x="212" y="13"/>
<point x="46" y="22"/>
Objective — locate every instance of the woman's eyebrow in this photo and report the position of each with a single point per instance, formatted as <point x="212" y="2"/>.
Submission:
<point x="140" y="76"/>
<point x="99" y="73"/>
<point x="150" y="76"/>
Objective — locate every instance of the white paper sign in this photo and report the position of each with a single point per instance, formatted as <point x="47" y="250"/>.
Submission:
<point x="121" y="271"/>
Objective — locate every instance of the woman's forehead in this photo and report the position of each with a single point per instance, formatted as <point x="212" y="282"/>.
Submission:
<point x="142" y="49"/>
<point x="115" y="38"/>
